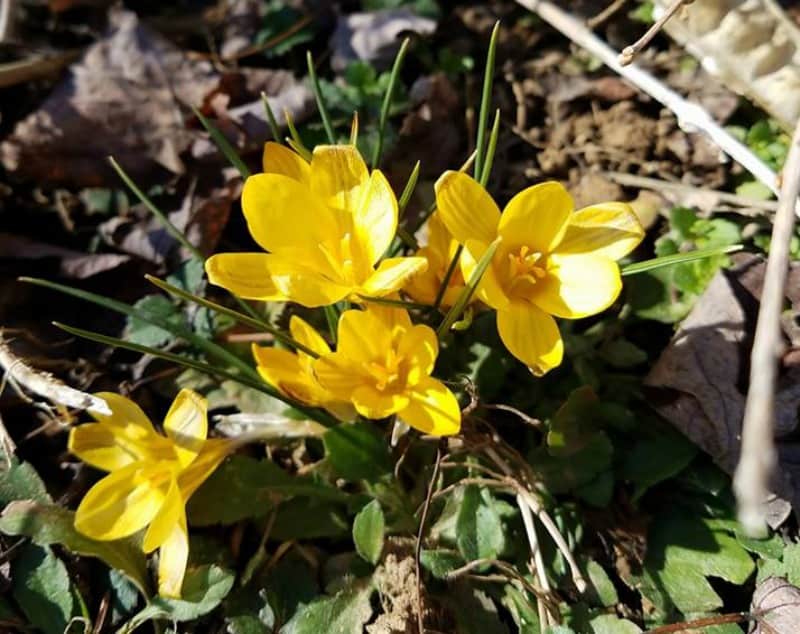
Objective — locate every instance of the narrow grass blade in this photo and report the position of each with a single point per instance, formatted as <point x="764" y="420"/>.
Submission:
<point x="387" y="101"/>
<point x="332" y="317"/>
<point x="678" y="258"/>
<point x="451" y="269"/>
<point x="486" y="103"/>
<point x="406" y="238"/>
<point x="354" y="130"/>
<point x="223" y="144"/>
<point x="151" y="206"/>
<point x="399" y="303"/>
<point x="408" y="190"/>
<point x="205" y="368"/>
<point x="273" y="122"/>
<point x="487" y="164"/>
<point x="209" y="347"/>
<point x="466" y="295"/>
<point x="256" y="324"/>
<point x="295" y="141"/>
<point x="323" y="110"/>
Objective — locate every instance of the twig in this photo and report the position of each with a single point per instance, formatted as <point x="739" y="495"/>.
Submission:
<point x="758" y="457"/>
<point x="734" y="617"/>
<point x="629" y="52"/>
<point x="418" y="546"/>
<point x="46" y="385"/>
<point x="606" y="13"/>
<point x="690" y="115"/>
<point x="6" y="19"/>
<point x="536" y="558"/>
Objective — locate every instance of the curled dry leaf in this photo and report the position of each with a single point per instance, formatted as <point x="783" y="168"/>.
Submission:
<point x="776" y="605"/>
<point x="73" y="264"/>
<point x="700" y="381"/>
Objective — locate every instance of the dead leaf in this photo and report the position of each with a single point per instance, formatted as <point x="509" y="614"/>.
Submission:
<point x="374" y="37"/>
<point x="127" y="97"/>
<point x="699" y="383"/>
<point x="776" y="602"/>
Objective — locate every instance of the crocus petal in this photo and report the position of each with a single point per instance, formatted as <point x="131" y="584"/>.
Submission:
<point x="489" y="289"/>
<point x="338" y="174"/>
<point x="284" y="371"/>
<point x="172" y="559"/>
<point x="363" y="335"/>
<point x="186" y="424"/>
<point x="310" y="287"/>
<point x="466" y="208"/>
<point x="610" y="229"/>
<point x="375" y="217"/>
<point x="578" y="286"/>
<point x="246" y="275"/>
<point x="283" y="214"/>
<point x="421" y="346"/>
<point x="123" y="412"/>
<point x="433" y="409"/>
<point x="391" y="275"/>
<point x="537" y="217"/>
<point x="123" y="502"/>
<point x="304" y="334"/>
<point x="338" y="374"/>
<point x="532" y="336"/>
<point x="374" y="404"/>
<point x="164" y="522"/>
<point x="211" y="455"/>
<point x="279" y="159"/>
<point x="96" y="444"/>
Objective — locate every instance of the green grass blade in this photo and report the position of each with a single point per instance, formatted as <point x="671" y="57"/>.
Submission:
<point x="209" y="347"/>
<point x="487" y="164"/>
<point x="223" y="144"/>
<point x="295" y="142"/>
<point x="398" y="303"/>
<point x="247" y="320"/>
<point x="151" y="206"/>
<point x="332" y="318"/>
<point x="466" y="295"/>
<point x="323" y="110"/>
<point x="205" y="368"/>
<point x="387" y="101"/>
<point x="406" y="238"/>
<point x="408" y="190"/>
<point x="354" y="130"/>
<point x="486" y="103"/>
<point x="451" y="269"/>
<point x="678" y="258"/>
<point x="273" y="122"/>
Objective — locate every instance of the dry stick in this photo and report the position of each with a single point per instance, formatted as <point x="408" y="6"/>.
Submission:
<point x="758" y="457"/>
<point x="690" y="115"/>
<point x="676" y="628"/>
<point x="536" y="559"/>
<point x="606" y="13"/>
<point x="629" y="52"/>
<point x="418" y="547"/>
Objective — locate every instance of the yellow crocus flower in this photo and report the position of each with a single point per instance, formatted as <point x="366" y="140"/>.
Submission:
<point x="551" y="261"/>
<point x="292" y="373"/>
<point x="152" y="477"/>
<point x="382" y="365"/>
<point x="424" y="286"/>
<point x="325" y="224"/>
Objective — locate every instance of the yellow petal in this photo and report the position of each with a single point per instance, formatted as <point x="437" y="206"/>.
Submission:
<point x="338" y="175"/>
<point x="278" y="159"/>
<point x="532" y="336"/>
<point x="610" y="229"/>
<point x="489" y="288"/>
<point x="421" y="346"/>
<point x="123" y="502"/>
<point x="245" y="275"/>
<point x="391" y="275"/>
<point x="310" y="287"/>
<point x="96" y="444"/>
<point x="338" y="374"/>
<point x="284" y="371"/>
<point x="365" y="336"/>
<point x="172" y="559"/>
<point x="163" y="523"/>
<point x="211" y="455"/>
<point x="186" y="423"/>
<point x="578" y="286"/>
<point x="433" y="409"/>
<point x="303" y="333"/>
<point x="375" y="217"/>
<point x="424" y="285"/>
<point x="537" y="217"/>
<point x="283" y="214"/>
<point x="466" y="208"/>
<point x="374" y="404"/>
<point x="123" y="412"/>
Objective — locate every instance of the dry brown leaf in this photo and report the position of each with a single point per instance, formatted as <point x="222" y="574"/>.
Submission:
<point x="699" y="382"/>
<point x="777" y="604"/>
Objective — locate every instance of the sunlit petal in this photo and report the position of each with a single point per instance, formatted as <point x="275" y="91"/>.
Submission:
<point x="123" y="412"/>
<point x="421" y="346"/>
<point x="610" y="229"/>
<point x="278" y="159"/>
<point x="172" y="559"/>
<point x="375" y="217"/>
<point x="532" y="336"/>
<point x="338" y="374"/>
<point x="489" y="289"/>
<point x="310" y="287"/>
<point x="338" y="175"/>
<point x="364" y="335"/>
<point x="432" y="409"/>
<point x="578" y="286"/>
<point x="164" y="522"/>
<point x="466" y="208"/>
<point x="284" y="371"/>
<point x="246" y="275"/>
<point x="537" y="217"/>
<point x="211" y="455"/>
<point x="391" y="275"/>
<point x="186" y="424"/>
<point x="374" y="404"/>
<point x="96" y="444"/>
<point x="303" y="333"/>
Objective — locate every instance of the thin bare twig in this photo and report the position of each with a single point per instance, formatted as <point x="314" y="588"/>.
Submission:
<point x="605" y="14"/>
<point x="629" y="52"/>
<point x="734" y="617"/>
<point x="690" y="115"/>
<point x="758" y="457"/>
<point x="421" y="532"/>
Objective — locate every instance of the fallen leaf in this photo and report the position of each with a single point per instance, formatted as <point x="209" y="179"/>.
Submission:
<point x="699" y="383"/>
<point x="776" y="603"/>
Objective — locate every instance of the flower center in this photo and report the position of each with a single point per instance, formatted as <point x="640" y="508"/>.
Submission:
<point x="340" y="258"/>
<point x="387" y="374"/>
<point x="525" y="270"/>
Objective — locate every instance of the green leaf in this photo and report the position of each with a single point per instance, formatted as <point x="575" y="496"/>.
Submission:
<point x="522" y="611"/>
<point x="621" y="353"/>
<point x="479" y="529"/>
<point x="655" y="458"/>
<point x="189" y="276"/>
<point x="203" y="590"/>
<point x="474" y="610"/>
<point x="42" y="589"/>
<point x="612" y="624"/>
<point x="21" y="482"/>
<point x="289" y="584"/>
<point x="48" y="524"/>
<point x="345" y="613"/>
<point x="573" y="426"/>
<point x="368" y="532"/>
<point x="292" y="520"/>
<point x="148" y="334"/>
<point x="441" y="562"/>
<point x="357" y="451"/>
<point x="602" y="584"/>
